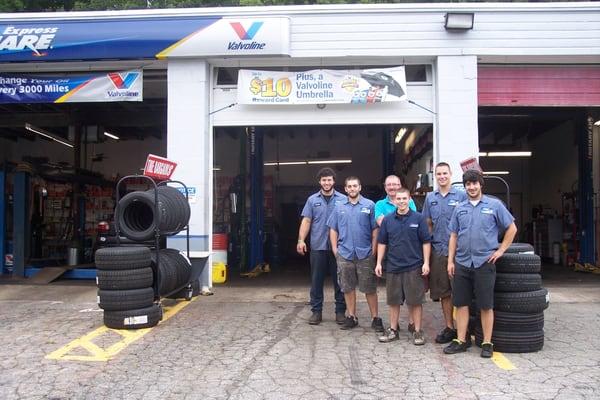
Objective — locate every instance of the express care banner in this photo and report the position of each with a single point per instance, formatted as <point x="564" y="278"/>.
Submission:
<point x="322" y="86"/>
<point x="106" y="87"/>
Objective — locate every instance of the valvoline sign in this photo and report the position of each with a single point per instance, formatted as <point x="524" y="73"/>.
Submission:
<point x="94" y="39"/>
<point x="142" y="38"/>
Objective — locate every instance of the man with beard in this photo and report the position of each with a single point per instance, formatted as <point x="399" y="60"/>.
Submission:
<point x="472" y="251"/>
<point x="438" y="209"/>
<point x="315" y="213"/>
<point x="353" y="234"/>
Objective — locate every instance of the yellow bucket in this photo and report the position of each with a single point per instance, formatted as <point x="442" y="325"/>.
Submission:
<point x="219" y="272"/>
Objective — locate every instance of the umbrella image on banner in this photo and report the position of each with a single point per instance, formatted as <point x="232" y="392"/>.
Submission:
<point x="381" y="79"/>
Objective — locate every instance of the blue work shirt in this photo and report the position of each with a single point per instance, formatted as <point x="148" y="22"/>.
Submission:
<point x="477" y="228"/>
<point x="439" y="209"/>
<point x="318" y="210"/>
<point x="404" y="236"/>
<point x="354" y="224"/>
<point x="384" y="207"/>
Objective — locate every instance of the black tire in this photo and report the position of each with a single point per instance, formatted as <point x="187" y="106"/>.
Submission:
<point x="120" y="258"/>
<point x="518" y="282"/>
<point x="514" y="322"/>
<point x="519" y="248"/>
<point x="125" y="279"/>
<point x="181" y="204"/>
<point x="522" y="302"/>
<point x="135" y="213"/>
<point x="133" y="319"/>
<point x="513" y="341"/>
<point x="513" y="263"/>
<point x="120" y="300"/>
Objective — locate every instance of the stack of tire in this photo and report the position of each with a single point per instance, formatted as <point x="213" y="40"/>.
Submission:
<point x="128" y="275"/>
<point x="519" y="302"/>
<point x="125" y="281"/>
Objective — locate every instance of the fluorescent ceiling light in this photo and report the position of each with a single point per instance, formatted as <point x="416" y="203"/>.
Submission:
<point x="509" y="154"/>
<point x="110" y="135"/>
<point x="459" y="21"/>
<point x="330" y="162"/>
<point x="505" y="154"/>
<point x="306" y="162"/>
<point x="48" y="135"/>
<point x="496" y="172"/>
<point x="400" y="134"/>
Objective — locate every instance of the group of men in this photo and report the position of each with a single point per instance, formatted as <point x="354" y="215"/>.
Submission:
<point x="357" y="241"/>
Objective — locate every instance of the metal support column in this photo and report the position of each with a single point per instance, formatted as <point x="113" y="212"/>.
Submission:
<point x="256" y="197"/>
<point x="388" y="158"/>
<point x="585" y="126"/>
<point x="2" y="220"/>
<point x="20" y="222"/>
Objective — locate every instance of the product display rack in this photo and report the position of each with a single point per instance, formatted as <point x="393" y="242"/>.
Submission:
<point x="196" y="269"/>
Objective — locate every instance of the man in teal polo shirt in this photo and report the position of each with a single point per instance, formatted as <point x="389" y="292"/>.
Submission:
<point x="386" y="205"/>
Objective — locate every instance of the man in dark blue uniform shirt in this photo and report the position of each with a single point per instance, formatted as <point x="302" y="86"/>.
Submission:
<point x="405" y="235"/>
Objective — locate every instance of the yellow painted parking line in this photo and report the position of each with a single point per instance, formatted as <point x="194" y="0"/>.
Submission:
<point x="96" y="353"/>
<point x="501" y="361"/>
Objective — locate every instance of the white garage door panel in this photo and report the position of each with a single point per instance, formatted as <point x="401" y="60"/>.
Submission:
<point x="382" y="113"/>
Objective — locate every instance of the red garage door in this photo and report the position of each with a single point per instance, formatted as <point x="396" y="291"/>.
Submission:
<point x="573" y="86"/>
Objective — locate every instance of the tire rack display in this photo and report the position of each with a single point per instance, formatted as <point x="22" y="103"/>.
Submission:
<point x="519" y="302"/>
<point x="132" y="279"/>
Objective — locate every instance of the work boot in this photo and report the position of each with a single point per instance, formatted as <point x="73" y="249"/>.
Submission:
<point x="350" y="322"/>
<point x="377" y="324"/>
<point x="389" y="336"/>
<point x="446" y="335"/>
<point x="487" y="349"/>
<point x="456" y="346"/>
<point x="315" y="318"/>
<point x="340" y="317"/>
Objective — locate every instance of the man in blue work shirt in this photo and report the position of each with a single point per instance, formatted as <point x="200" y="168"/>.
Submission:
<point x="315" y="213"/>
<point x="438" y="209"/>
<point x="472" y="251"/>
<point x="353" y="234"/>
<point x="386" y="206"/>
<point x="405" y="235"/>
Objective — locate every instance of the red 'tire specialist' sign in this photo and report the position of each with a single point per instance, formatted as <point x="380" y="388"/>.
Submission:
<point x="470" y="163"/>
<point x="159" y="167"/>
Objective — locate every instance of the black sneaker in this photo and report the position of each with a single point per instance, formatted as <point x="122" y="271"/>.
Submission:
<point x="456" y="346"/>
<point x="446" y="335"/>
<point x="315" y="318"/>
<point x="468" y="340"/>
<point x="377" y="324"/>
<point x="349" y="323"/>
<point x="487" y="350"/>
<point x="389" y="336"/>
<point x="340" y="317"/>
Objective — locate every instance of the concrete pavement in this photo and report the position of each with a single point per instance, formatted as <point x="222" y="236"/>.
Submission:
<point x="252" y="341"/>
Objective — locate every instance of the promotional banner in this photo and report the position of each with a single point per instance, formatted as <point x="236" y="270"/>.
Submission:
<point x="107" y="87"/>
<point x="322" y="86"/>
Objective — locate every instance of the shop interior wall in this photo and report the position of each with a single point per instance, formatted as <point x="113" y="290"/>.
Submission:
<point x="541" y="178"/>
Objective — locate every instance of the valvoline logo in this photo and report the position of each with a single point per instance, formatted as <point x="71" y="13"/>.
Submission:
<point x="123" y="82"/>
<point x="245" y="35"/>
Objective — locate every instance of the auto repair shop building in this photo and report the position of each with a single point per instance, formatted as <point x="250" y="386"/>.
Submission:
<point x="520" y="81"/>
